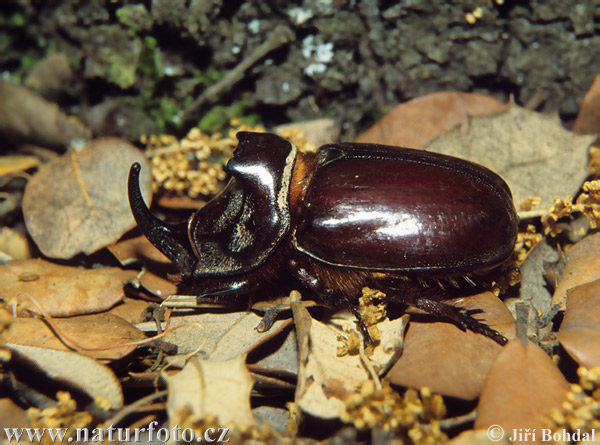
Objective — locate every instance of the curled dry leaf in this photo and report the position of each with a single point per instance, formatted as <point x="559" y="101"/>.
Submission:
<point x="88" y="331"/>
<point x="531" y="151"/>
<point x="62" y="290"/>
<point x="583" y="266"/>
<point x="27" y="117"/>
<point x="523" y="385"/>
<point x="325" y="380"/>
<point x="580" y="330"/>
<point x="78" y="370"/>
<point x="10" y="165"/>
<point x="416" y="122"/>
<point x="440" y="356"/>
<point x="78" y="202"/>
<point x="219" y="389"/>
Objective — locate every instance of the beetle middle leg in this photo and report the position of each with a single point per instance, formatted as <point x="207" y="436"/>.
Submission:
<point x="327" y="296"/>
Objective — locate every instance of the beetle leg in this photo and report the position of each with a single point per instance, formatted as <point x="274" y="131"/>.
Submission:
<point x="310" y="282"/>
<point x="463" y="318"/>
<point x="362" y="327"/>
<point x="233" y="288"/>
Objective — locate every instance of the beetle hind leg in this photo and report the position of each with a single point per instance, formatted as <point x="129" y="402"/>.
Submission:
<point x="463" y="318"/>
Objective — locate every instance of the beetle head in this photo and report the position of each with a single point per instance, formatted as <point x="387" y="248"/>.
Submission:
<point x="240" y="228"/>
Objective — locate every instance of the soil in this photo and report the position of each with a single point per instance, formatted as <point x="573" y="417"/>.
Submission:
<point x="347" y="60"/>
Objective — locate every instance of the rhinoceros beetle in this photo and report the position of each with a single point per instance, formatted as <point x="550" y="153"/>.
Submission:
<point x="349" y="216"/>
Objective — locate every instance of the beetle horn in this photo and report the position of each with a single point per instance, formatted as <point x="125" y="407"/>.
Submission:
<point x="171" y="239"/>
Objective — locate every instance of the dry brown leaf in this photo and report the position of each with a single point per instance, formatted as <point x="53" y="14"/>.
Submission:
<point x="130" y="309"/>
<point x="137" y="249"/>
<point x="222" y="336"/>
<point x="588" y="119"/>
<point x="283" y="360"/>
<point x="523" y="385"/>
<point x="27" y="117"/>
<point x="51" y="76"/>
<point x="78" y="202"/>
<point x="583" y="266"/>
<point x="16" y="164"/>
<point x="316" y="132"/>
<point x="157" y="284"/>
<point x="80" y="371"/>
<point x="416" y="122"/>
<point x="325" y="381"/>
<point x="531" y="151"/>
<point x="89" y="331"/>
<point x="14" y="245"/>
<point x="580" y="330"/>
<point x="475" y="437"/>
<point x="207" y="388"/>
<point x="62" y="290"/>
<point x="11" y="416"/>
<point x="447" y="360"/>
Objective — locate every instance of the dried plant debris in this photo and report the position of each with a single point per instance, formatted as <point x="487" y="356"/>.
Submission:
<point x="194" y="165"/>
<point x="413" y="418"/>
<point x="580" y="413"/>
<point x="588" y="203"/>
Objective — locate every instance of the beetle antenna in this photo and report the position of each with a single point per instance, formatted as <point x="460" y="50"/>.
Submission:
<point x="170" y="239"/>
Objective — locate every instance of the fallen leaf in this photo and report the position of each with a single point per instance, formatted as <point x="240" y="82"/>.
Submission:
<point x="317" y="132"/>
<point x="579" y="332"/>
<point x="588" y="118"/>
<point x="78" y="202"/>
<point x="11" y="416"/>
<point x="157" y="284"/>
<point x="130" y="309"/>
<point x="79" y="370"/>
<point x="89" y="331"/>
<point x="582" y="266"/>
<point x="51" y="76"/>
<point x="474" y="437"/>
<point x="415" y="123"/>
<point x="205" y="387"/>
<point x="62" y="290"/>
<point x="276" y="418"/>
<point x="281" y="359"/>
<point x="523" y="385"/>
<point x="531" y="151"/>
<point x="27" y="117"/>
<point x="325" y="381"/>
<point x="448" y="360"/>
<point x="223" y="335"/>
<point x="137" y="249"/>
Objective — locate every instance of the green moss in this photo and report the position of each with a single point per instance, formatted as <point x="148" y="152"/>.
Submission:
<point x="150" y="65"/>
<point x="135" y="17"/>
<point x="219" y="116"/>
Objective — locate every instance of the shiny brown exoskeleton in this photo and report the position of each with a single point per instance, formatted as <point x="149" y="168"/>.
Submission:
<point x="349" y="216"/>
